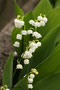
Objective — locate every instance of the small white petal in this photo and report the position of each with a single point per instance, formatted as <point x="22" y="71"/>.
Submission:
<point x="18" y="23"/>
<point x="16" y="44"/>
<point x="19" y="66"/>
<point x="39" y="18"/>
<point x="37" y="24"/>
<point x="29" y="32"/>
<point x="24" y="32"/>
<point x="15" y="53"/>
<point x="22" y="23"/>
<point x="32" y="22"/>
<point x="19" y="36"/>
<point x="27" y="54"/>
<point x="26" y="61"/>
<point x="38" y="44"/>
<point x="30" y="86"/>
<point x="45" y="19"/>
<point x="7" y="89"/>
<point x="32" y="50"/>
<point x="42" y="23"/>
<point x="33" y="44"/>
<point x="32" y="76"/>
<point x="30" y="80"/>
<point x="37" y="35"/>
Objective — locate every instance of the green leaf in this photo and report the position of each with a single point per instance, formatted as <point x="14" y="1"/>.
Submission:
<point x="44" y="7"/>
<point x="14" y="33"/>
<point x="17" y="9"/>
<point x="50" y="83"/>
<point x="8" y="72"/>
<point x="50" y="65"/>
<point x="21" y="85"/>
<point x="27" y="17"/>
<point x="13" y="39"/>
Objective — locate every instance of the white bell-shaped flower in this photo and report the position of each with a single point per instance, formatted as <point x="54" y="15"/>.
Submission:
<point x="30" y="86"/>
<point x="38" y="44"/>
<point x="32" y="22"/>
<point x="37" y="35"/>
<point x="15" y="53"/>
<point x="19" y="36"/>
<point x="39" y="18"/>
<point x="26" y="61"/>
<point x="45" y="19"/>
<point x="18" y="23"/>
<point x="24" y="32"/>
<point x="16" y="44"/>
<point x="32" y="75"/>
<point x="27" y="54"/>
<point x="19" y="66"/>
<point x="29" y="32"/>
<point x="37" y="24"/>
<point x="30" y="80"/>
<point x="42" y="23"/>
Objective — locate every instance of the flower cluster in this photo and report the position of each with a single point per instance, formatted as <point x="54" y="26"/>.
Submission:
<point x="18" y="22"/>
<point x="4" y="87"/>
<point x="34" y="44"/>
<point x="31" y="77"/>
<point x="41" y="20"/>
<point x="26" y="32"/>
<point x="31" y="49"/>
<point x="19" y="37"/>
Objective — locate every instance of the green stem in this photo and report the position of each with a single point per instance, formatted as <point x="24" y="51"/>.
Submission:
<point x="15" y="68"/>
<point x="35" y="29"/>
<point x="14" y="72"/>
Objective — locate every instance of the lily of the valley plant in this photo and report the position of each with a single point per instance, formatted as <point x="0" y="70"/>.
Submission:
<point x="35" y="62"/>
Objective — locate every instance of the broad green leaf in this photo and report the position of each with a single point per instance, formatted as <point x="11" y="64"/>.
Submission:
<point x="21" y="85"/>
<point x="50" y="65"/>
<point x="50" y="83"/>
<point x="14" y="33"/>
<point x="44" y="7"/>
<point x="8" y="72"/>
<point x="17" y="9"/>
<point x="53" y="21"/>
